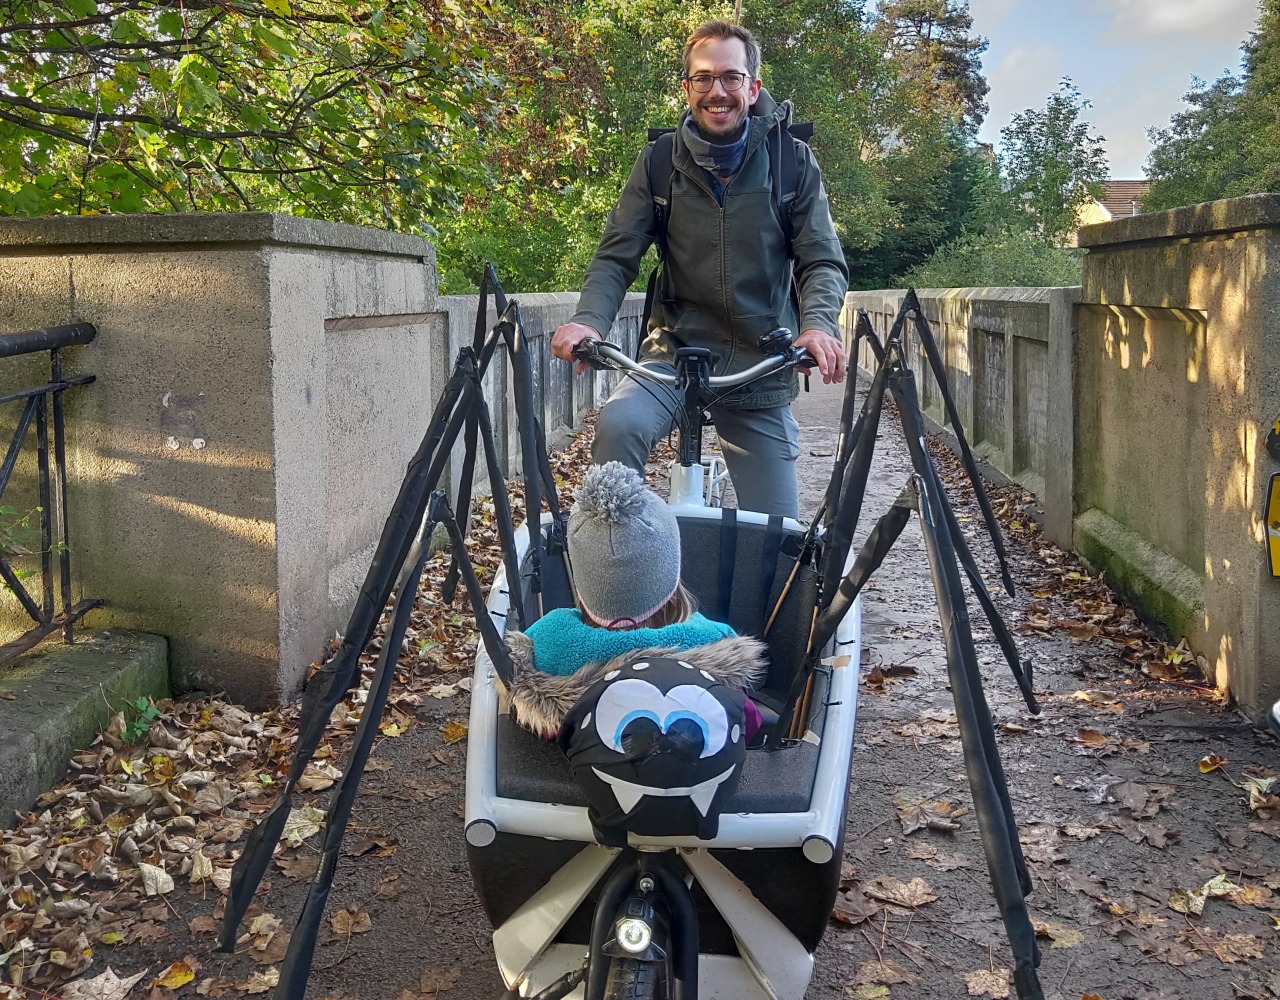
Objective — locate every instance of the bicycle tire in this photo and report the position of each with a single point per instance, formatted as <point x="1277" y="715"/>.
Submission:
<point x="632" y="980"/>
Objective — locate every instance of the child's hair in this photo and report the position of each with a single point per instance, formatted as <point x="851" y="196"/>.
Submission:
<point x="679" y="608"/>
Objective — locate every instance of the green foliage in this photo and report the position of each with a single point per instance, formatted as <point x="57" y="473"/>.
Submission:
<point x="930" y="101"/>
<point x="504" y="128"/>
<point x="1227" y="142"/>
<point x="1052" y="161"/>
<point x="1202" y="155"/>
<point x="18" y="536"/>
<point x="936" y="190"/>
<point x="323" y="107"/>
<point x="823" y="57"/>
<point x="1262" y="66"/>
<point x="1005" y="256"/>
<point x="144" y="713"/>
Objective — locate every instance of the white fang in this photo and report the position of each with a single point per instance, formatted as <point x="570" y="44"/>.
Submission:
<point x="701" y="797"/>
<point x="628" y="795"/>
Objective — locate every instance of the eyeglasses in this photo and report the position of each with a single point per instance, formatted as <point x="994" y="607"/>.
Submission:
<point x="703" y="82"/>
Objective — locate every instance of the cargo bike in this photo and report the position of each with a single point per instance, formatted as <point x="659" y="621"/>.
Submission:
<point x="720" y="887"/>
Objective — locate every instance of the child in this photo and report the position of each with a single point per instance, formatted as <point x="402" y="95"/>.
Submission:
<point x="624" y="552"/>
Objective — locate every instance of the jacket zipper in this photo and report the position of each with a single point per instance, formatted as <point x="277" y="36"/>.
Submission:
<point x="724" y="288"/>
<point x="724" y="276"/>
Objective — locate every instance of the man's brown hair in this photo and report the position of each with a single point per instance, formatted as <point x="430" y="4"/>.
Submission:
<point x="717" y="30"/>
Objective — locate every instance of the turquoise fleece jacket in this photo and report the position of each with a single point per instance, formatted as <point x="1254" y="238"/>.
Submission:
<point x="563" y="643"/>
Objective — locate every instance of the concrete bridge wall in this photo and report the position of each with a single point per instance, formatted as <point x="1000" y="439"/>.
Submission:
<point x="261" y="384"/>
<point x="1137" y="408"/>
<point x="262" y="381"/>
<point x="1003" y="349"/>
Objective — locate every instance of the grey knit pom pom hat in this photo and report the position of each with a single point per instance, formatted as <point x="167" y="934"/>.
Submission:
<point x="624" y="546"/>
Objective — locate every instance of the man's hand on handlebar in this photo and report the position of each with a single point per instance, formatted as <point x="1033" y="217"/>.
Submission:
<point x="568" y="337"/>
<point x="827" y="350"/>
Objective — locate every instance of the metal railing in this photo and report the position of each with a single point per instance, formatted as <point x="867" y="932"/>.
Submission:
<point x="55" y="534"/>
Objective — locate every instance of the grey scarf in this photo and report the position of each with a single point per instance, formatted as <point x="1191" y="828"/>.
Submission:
<point x="722" y="159"/>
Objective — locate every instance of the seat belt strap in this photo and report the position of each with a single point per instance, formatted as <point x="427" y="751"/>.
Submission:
<point x="728" y="557"/>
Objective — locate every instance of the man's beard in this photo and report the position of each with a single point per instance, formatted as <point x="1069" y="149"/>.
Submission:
<point x="715" y="131"/>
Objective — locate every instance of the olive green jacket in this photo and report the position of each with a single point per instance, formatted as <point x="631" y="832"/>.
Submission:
<point x="727" y="281"/>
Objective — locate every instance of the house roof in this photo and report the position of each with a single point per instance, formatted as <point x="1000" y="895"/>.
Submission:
<point x="1118" y="197"/>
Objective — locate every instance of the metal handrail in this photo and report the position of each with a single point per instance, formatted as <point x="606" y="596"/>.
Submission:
<point x="49" y="615"/>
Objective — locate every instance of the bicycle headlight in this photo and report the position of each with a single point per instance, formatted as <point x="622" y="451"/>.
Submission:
<point x="634" y="935"/>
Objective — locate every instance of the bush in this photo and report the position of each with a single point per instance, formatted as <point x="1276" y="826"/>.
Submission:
<point x="1000" y="258"/>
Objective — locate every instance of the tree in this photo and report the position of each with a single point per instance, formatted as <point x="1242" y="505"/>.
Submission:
<point x="934" y="187"/>
<point x="325" y="107"/>
<point x="1052" y="162"/>
<point x="599" y="73"/>
<point x="821" y="55"/>
<point x="1262" y="100"/>
<point x="1227" y="142"/>
<point x="1203" y="154"/>
<point x="928" y="108"/>
<point x="503" y="128"/>
<point x="931" y="42"/>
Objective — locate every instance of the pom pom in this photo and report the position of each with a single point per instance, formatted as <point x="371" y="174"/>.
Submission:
<point x="612" y="492"/>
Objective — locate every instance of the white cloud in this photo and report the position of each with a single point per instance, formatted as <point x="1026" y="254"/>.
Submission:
<point x="1127" y="144"/>
<point x="1207" y="20"/>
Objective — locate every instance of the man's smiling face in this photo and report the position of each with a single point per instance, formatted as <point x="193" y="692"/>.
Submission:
<point x="719" y="113"/>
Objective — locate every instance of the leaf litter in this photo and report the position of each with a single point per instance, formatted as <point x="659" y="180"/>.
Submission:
<point x="1118" y="695"/>
<point x="89" y="869"/>
<point x="124" y="805"/>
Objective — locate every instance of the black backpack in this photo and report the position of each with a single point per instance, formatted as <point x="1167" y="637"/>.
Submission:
<point x="783" y="170"/>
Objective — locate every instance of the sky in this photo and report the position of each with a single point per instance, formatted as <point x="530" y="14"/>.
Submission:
<point x="1132" y="59"/>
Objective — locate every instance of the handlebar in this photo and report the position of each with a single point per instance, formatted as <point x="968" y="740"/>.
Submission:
<point x="603" y="356"/>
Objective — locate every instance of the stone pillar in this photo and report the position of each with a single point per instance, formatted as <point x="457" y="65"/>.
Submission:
<point x="262" y="381"/>
<point x="1177" y="383"/>
<point x="1059" y="409"/>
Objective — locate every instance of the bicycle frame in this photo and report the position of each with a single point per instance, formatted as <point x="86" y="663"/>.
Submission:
<point x="693" y="481"/>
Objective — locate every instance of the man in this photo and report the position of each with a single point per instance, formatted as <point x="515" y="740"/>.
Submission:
<point x="727" y="277"/>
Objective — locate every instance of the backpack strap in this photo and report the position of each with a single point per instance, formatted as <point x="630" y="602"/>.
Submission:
<point x="784" y="169"/>
<point x="661" y="170"/>
<point x="660" y="173"/>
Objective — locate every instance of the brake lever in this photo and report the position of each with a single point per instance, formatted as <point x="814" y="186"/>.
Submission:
<point x="803" y="362"/>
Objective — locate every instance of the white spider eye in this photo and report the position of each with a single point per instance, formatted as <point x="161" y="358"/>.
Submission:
<point x="626" y="701"/>
<point x="689" y="701"/>
<point x="622" y="703"/>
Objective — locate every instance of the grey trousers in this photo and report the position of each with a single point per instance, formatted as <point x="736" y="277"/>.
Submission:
<point x="760" y="447"/>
